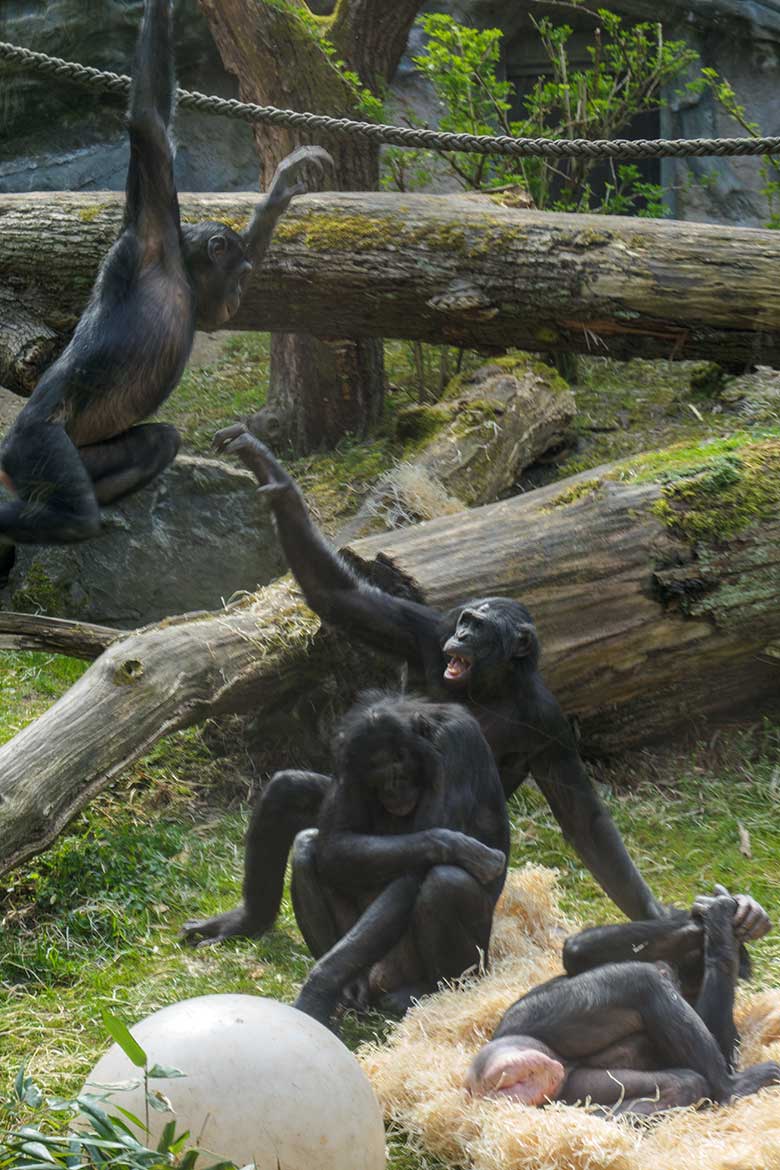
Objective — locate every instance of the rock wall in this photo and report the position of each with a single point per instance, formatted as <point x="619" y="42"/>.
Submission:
<point x="57" y="136"/>
<point x="739" y="38"/>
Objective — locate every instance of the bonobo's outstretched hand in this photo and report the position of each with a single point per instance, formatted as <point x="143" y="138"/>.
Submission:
<point x="750" y="921"/>
<point x="255" y="456"/>
<point x="209" y="931"/>
<point x="288" y="181"/>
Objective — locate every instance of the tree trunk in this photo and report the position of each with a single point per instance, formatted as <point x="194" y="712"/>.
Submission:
<point x="445" y="269"/>
<point x="645" y="632"/>
<point x="320" y="390"/>
<point x="27" y="345"/>
<point x="309" y="412"/>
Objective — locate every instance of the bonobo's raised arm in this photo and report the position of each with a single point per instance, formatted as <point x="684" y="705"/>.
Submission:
<point x="330" y="587"/>
<point x="285" y="185"/>
<point x="590" y="830"/>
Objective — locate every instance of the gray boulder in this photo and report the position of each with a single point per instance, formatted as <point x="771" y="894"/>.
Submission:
<point x="189" y="541"/>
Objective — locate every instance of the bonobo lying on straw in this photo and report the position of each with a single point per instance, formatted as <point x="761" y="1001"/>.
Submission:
<point x="395" y="889"/>
<point x="642" y="1022"/>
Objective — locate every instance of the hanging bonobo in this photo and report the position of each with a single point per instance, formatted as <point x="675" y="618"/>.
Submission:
<point x="483" y="654"/>
<point x="395" y="888"/>
<point x="76" y="445"/>
<point x="642" y="1022"/>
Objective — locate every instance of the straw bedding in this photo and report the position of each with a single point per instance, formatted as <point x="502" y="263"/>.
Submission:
<point x="418" y="1072"/>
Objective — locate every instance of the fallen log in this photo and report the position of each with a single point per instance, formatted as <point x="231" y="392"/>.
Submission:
<point x="655" y="584"/>
<point x="454" y="269"/>
<point x="25" y="631"/>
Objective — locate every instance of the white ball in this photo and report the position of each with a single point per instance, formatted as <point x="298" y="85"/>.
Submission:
<point x="265" y="1084"/>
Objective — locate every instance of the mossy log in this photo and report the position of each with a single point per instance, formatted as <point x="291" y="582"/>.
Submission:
<point x="457" y="269"/>
<point x="655" y="585"/>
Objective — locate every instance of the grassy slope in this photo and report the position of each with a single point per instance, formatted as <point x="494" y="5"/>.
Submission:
<point x="94" y="920"/>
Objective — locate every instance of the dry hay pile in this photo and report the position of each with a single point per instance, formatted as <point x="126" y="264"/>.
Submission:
<point x="418" y="1072"/>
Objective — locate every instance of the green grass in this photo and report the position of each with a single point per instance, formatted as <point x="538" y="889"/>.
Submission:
<point x="93" y="922"/>
<point x="624" y="408"/>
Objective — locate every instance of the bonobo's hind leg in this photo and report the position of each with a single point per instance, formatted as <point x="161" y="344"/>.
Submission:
<point x="56" y="503"/>
<point x="640" y="1093"/>
<point x="130" y="461"/>
<point x="289" y="803"/>
<point x="453" y="916"/>
<point x="378" y="929"/>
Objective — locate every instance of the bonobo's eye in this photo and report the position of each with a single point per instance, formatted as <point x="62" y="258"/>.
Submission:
<point x="217" y="248"/>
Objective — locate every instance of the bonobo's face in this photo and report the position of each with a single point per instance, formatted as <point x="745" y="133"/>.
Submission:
<point x="516" y="1068"/>
<point x="474" y="643"/>
<point x="217" y="263"/>
<point x="392" y="775"/>
<point x="489" y="634"/>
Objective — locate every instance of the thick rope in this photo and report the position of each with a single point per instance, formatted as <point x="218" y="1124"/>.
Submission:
<point x="119" y="84"/>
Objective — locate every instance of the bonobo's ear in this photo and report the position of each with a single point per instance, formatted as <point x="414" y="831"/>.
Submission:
<point x="217" y="247"/>
<point x="525" y="641"/>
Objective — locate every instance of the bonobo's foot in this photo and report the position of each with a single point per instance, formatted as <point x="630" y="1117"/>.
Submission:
<point x="233" y="924"/>
<point x="750" y="920"/>
<point x="318" y="1003"/>
<point x="757" y="1076"/>
<point x="397" y="1003"/>
<point x="356" y="996"/>
<point x="288" y="181"/>
<point x="255" y="456"/>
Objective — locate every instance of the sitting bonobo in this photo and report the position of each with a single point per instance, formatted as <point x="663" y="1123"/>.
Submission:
<point x="395" y="889"/>
<point x="620" y="1031"/>
<point x="484" y="654"/>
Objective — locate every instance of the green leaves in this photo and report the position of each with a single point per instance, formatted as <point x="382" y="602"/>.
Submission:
<point x="628" y="68"/>
<point x="119" y="1032"/>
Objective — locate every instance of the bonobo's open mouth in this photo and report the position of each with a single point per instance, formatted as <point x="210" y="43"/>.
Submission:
<point x="458" y="668"/>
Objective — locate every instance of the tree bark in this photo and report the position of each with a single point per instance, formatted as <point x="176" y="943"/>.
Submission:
<point x="27" y="345"/>
<point x="644" y="635"/>
<point x="319" y="390"/>
<point x="387" y="265"/>
<point x="25" y="631"/>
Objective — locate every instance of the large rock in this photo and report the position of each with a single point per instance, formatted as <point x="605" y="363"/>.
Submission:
<point x="196" y="536"/>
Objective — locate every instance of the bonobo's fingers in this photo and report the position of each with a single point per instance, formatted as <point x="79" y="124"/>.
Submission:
<point x="226" y="435"/>
<point x="255" y="456"/>
<point x="755" y="1077"/>
<point x="288" y="180"/>
<point x="482" y="862"/>
<point x="357" y="994"/>
<point x="751" y="920"/>
<point x="703" y="902"/>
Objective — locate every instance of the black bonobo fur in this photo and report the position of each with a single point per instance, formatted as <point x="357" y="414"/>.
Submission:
<point x="483" y="654"/>
<point x="395" y="888"/>
<point x="642" y="1022"/>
